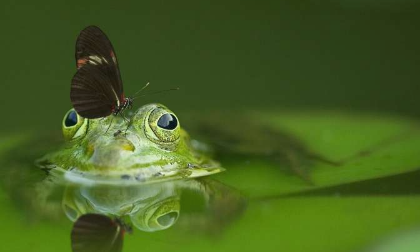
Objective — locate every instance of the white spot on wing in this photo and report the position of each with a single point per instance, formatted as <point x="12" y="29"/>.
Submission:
<point x="118" y="100"/>
<point x="94" y="59"/>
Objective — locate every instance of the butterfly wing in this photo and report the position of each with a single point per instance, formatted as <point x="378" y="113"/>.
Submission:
<point x="92" y="94"/>
<point x="95" y="232"/>
<point x="96" y="95"/>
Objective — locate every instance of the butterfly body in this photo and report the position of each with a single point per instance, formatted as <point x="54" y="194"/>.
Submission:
<point x="127" y="103"/>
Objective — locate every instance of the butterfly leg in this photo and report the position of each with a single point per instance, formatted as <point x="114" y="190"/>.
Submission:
<point x="109" y="126"/>
<point x="127" y="121"/>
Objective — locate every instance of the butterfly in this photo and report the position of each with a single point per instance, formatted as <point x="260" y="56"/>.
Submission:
<point x="96" y="88"/>
<point x="96" y="232"/>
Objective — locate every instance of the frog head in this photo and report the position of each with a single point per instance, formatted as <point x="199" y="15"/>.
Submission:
<point x="143" y="146"/>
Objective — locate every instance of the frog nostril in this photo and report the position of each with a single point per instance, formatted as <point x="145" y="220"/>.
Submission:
<point x="128" y="145"/>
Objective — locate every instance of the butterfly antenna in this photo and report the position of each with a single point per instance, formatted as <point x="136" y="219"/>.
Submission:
<point x="155" y="92"/>
<point x="141" y="89"/>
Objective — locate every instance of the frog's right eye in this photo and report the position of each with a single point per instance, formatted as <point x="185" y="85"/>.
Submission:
<point x="74" y="125"/>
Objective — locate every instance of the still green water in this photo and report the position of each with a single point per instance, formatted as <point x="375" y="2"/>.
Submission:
<point x="256" y="204"/>
<point x="281" y="60"/>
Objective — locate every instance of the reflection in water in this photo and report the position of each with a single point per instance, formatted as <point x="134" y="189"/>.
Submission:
<point x="95" y="232"/>
<point x="103" y="213"/>
<point x="148" y="207"/>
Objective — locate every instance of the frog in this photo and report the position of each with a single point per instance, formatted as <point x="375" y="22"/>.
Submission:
<point x="148" y="146"/>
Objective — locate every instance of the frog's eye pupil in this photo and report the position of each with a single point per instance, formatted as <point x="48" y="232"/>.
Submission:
<point x="168" y="122"/>
<point x="71" y="119"/>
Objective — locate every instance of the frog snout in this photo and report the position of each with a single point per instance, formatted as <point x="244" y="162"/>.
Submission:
<point x="110" y="154"/>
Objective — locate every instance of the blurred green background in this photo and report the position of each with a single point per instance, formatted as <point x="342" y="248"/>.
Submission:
<point x="356" y="55"/>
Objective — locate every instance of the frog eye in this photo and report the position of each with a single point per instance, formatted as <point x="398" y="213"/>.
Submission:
<point x="164" y="125"/>
<point x="74" y="125"/>
<point x="168" y="122"/>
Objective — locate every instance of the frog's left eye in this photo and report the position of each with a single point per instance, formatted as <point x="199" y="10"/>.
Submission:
<point x="164" y="126"/>
<point x="74" y="125"/>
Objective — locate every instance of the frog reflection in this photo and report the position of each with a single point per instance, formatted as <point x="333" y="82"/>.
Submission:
<point x="148" y="208"/>
<point x="154" y="207"/>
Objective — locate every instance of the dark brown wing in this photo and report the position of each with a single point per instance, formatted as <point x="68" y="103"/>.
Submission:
<point x="92" y="93"/>
<point x="95" y="232"/>
<point x="94" y="48"/>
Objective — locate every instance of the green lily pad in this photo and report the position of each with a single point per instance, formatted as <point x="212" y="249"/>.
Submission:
<point x="368" y="146"/>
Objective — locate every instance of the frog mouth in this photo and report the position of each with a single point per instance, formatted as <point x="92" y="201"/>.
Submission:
<point x="150" y="175"/>
<point x="123" y="163"/>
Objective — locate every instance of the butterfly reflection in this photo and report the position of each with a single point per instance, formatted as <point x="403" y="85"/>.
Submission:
<point x="96" y="232"/>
